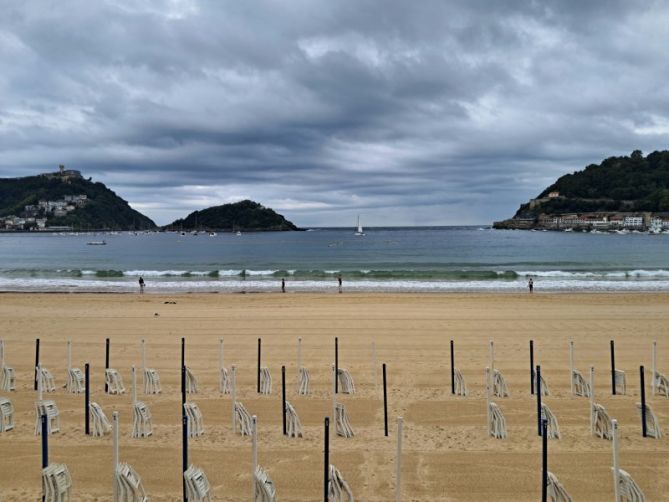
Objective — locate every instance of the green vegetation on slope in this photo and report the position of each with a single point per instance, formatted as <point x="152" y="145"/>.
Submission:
<point x="103" y="210"/>
<point x="244" y="215"/>
<point x="633" y="183"/>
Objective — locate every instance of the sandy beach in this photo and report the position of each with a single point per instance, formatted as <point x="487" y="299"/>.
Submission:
<point x="447" y="454"/>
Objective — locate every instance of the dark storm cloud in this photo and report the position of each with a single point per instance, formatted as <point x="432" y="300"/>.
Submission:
<point x="410" y="113"/>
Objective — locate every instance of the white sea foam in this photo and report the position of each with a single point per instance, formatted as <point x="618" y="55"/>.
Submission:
<point x="92" y="285"/>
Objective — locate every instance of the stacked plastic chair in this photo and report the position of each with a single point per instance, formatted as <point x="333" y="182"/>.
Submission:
<point x="240" y="417"/>
<point x="45" y="407"/>
<point x="127" y="483"/>
<point x="625" y="489"/>
<point x="460" y="385"/>
<point x="101" y="425"/>
<point x="496" y="419"/>
<point x="114" y="382"/>
<point x="601" y="425"/>
<point x="195" y="422"/>
<point x="75" y="377"/>
<point x="141" y="416"/>
<point x="56" y="483"/>
<point x="302" y="372"/>
<point x="346" y="384"/>
<point x="342" y="424"/>
<point x="620" y="382"/>
<point x="579" y="386"/>
<point x="265" y="381"/>
<point x="659" y="383"/>
<point x="263" y="487"/>
<point x="338" y="488"/>
<point x="553" y="429"/>
<point x="7" y="377"/>
<point x="498" y="386"/>
<point x="191" y="382"/>
<point x="150" y="376"/>
<point x="46" y="379"/>
<point x="652" y="424"/>
<point x="197" y="485"/>
<point x="303" y="381"/>
<point x="224" y="379"/>
<point x="6" y="415"/>
<point x="555" y="491"/>
<point x="293" y="424"/>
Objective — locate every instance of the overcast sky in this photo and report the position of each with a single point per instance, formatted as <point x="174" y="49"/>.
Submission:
<point x="408" y="113"/>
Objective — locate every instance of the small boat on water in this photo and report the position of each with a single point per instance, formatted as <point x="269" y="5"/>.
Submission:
<point x="96" y="243"/>
<point x="359" y="232"/>
<point x="238" y="233"/>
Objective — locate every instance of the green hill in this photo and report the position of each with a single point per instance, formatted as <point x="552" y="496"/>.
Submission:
<point x="244" y="215"/>
<point x="631" y="183"/>
<point x="101" y="209"/>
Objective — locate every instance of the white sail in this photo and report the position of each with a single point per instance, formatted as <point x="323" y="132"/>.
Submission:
<point x="359" y="231"/>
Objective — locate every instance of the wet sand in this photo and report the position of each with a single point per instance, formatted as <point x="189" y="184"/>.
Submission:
<point x="447" y="455"/>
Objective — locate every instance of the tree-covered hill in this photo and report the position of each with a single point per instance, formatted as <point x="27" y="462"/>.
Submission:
<point x="103" y="208"/>
<point x="244" y="215"/>
<point x="630" y="183"/>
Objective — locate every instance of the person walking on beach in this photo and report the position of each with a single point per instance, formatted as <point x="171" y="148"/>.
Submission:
<point x="141" y="285"/>
<point x="339" y="280"/>
<point x="530" y="285"/>
<point x="283" y="285"/>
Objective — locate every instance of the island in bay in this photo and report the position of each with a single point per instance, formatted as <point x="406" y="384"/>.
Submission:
<point x="621" y="194"/>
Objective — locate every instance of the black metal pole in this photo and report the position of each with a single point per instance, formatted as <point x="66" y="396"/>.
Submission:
<point x="106" y="363"/>
<point x="45" y="442"/>
<point x="259" y="354"/>
<point x="184" y="439"/>
<point x="336" y="365"/>
<point x="452" y="369"/>
<point x="544" y="461"/>
<point x="36" y="360"/>
<point x="326" y="460"/>
<point x="45" y="447"/>
<point x="283" y="397"/>
<point x="613" y="368"/>
<point x="385" y="403"/>
<point x="183" y="352"/>
<point x="531" y="366"/>
<point x="644" y="431"/>
<point x="87" y="399"/>
<point x="538" y="373"/>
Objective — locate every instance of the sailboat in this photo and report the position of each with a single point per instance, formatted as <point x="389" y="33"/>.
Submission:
<point x="359" y="232"/>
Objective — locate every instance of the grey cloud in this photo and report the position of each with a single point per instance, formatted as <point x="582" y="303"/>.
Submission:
<point x="426" y="113"/>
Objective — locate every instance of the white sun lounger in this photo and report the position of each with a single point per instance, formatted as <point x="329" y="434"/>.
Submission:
<point x="460" y="385"/>
<point x="46" y="379"/>
<point x="191" y="382"/>
<point x="553" y="428"/>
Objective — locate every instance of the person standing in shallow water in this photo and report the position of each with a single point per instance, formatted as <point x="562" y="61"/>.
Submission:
<point x="141" y="285"/>
<point x="283" y="285"/>
<point x="530" y="285"/>
<point x="339" y="281"/>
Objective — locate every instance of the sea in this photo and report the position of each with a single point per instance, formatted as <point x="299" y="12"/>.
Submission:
<point x="415" y="259"/>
